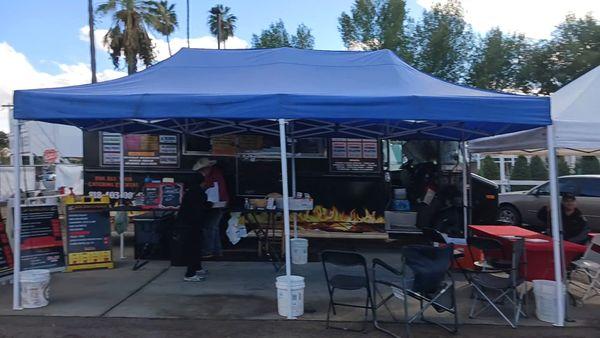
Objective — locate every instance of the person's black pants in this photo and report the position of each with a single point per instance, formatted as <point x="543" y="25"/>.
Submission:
<point x="193" y="251"/>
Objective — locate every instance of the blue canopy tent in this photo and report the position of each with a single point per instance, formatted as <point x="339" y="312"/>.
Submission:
<point x="329" y="93"/>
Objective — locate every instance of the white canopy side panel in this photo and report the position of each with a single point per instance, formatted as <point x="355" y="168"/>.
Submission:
<point x="534" y="139"/>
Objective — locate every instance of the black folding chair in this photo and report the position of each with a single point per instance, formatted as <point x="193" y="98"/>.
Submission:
<point x="499" y="286"/>
<point x="493" y="252"/>
<point x="437" y="239"/>
<point x="428" y="281"/>
<point x="351" y="274"/>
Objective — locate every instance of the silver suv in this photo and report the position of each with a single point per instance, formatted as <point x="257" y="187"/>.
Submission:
<point x="521" y="207"/>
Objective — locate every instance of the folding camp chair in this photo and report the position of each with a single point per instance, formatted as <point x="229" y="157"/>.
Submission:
<point x="436" y="238"/>
<point x="589" y="265"/>
<point x="428" y="281"/>
<point x="346" y="271"/>
<point x="497" y="286"/>
<point x="493" y="252"/>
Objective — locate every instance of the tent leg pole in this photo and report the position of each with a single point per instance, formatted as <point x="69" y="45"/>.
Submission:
<point x="16" y="150"/>
<point x="122" y="193"/>
<point x="293" y="163"/>
<point x="502" y="174"/>
<point x="465" y="179"/>
<point x="286" y="206"/>
<point x="556" y="233"/>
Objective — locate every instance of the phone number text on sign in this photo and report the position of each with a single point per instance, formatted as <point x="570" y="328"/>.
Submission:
<point x="111" y="194"/>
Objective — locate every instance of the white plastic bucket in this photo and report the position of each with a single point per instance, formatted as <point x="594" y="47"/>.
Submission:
<point x="293" y="287"/>
<point x="545" y="300"/>
<point x="299" y="247"/>
<point x="35" y="288"/>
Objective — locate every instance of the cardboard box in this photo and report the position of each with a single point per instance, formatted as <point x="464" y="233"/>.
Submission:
<point x="401" y="221"/>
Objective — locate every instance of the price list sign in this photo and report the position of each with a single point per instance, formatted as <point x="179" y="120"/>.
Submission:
<point x="41" y="238"/>
<point x="88" y="236"/>
<point x="141" y="150"/>
<point x="350" y="155"/>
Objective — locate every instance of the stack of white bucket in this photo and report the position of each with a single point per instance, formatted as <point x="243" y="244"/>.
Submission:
<point x="290" y="292"/>
<point x="299" y="247"/>
<point x="545" y="300"/>
<point x="35" y="288"/>
<point x="290" y="295"/>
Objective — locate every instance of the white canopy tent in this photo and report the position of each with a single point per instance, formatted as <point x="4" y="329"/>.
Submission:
<point x="575" y="111"/>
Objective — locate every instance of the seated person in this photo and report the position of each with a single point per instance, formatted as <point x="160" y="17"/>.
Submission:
<point x="575" y="225"/>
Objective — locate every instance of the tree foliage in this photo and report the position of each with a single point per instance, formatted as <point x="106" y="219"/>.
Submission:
<point x="4" y="143"/>
<point x="373" y="25"/>
<point x="276" y="35"/>
<point x="228" y="22"/>
<point x="538" y="169"/>
<point x="587" y="165"/>
<point x="163" y="18"/>
<point x="573" y="50"/>
<point x="128" y="36"/>
<point x="489" y="169"/>
<point x="498" y="62"/>
<point x="521" y="170"/>
<point x="303" y="38"/>
<point x="563" y="167"/>
<point x="442" y="42"/>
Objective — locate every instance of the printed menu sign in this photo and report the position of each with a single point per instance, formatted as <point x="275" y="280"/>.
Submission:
<point x="171" y="195"/>
<point x="41" y="238"/>
<point x="88" y="236"/>
<point x="162" y="195"/>
<point x="6" y="256"/>
<point x="141" y="150"/>
<point x="350" y="155"/>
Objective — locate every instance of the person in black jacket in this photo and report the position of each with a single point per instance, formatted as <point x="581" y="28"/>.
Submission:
<point x="191" y="216"/>
<point x="575" y="225"/>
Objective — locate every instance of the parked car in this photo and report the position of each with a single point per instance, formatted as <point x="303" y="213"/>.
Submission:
<point x="520" y="208"/>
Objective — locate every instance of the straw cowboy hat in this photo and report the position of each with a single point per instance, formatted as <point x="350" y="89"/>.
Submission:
<point x="203" y="163"/>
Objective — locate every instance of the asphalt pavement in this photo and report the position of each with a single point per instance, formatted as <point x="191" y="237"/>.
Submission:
<point x="74" y="327"/>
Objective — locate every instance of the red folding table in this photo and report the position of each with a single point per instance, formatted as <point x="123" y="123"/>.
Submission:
<point x="538" y="247"/>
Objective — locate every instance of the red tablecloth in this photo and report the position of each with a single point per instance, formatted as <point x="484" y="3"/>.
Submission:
<point x="538" y="247"/>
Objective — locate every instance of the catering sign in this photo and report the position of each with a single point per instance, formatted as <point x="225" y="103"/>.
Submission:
<point x="41" y="238"/>
<point x="106" y="184"/>
<point x="140" y="150"/>
<point x="351" y="155"/>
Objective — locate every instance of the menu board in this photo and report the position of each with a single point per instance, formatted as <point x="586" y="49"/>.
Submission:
<point x="171" y="195"/>
<point x="162" y="195"/>
<point x="6" y="256"/>
<point x="41" y="238"/>
<point x="351" y="155"/>
<point x="141" y="150"/>
<point x="88" y="236"/>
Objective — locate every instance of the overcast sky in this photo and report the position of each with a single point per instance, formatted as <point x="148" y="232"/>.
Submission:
<point x="45" y="43"/>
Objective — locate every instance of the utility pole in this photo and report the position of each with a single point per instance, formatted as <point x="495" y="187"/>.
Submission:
<point x="92" y="40"/>
<point x="188" y="22"/>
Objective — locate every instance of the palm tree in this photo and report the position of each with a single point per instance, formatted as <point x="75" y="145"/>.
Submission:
<point x="163" y="18"/>
<point x="221" y="23"/>
<point x="128" y="35"/>
<point x="92" y="40"/>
